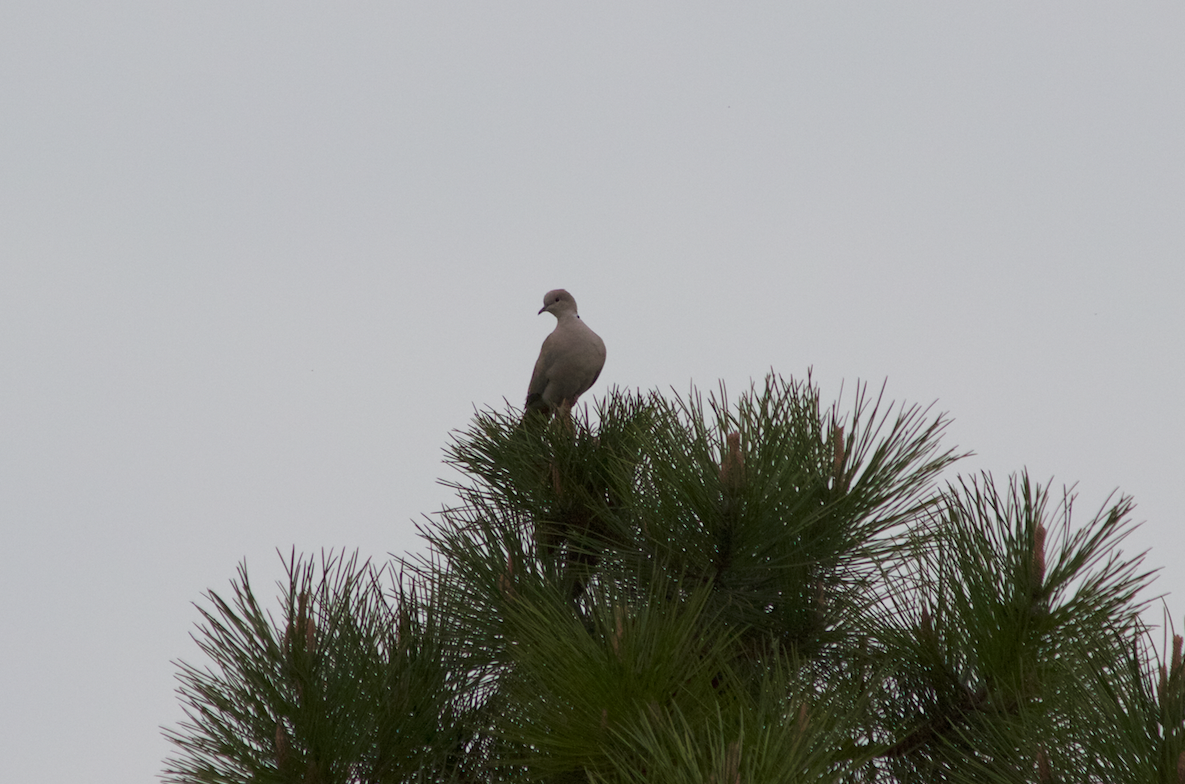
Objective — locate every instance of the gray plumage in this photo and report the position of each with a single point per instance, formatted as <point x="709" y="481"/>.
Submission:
<point x="570" y="360"/>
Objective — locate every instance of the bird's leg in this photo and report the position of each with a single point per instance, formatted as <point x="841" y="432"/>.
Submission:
<point x="564" y="414"/>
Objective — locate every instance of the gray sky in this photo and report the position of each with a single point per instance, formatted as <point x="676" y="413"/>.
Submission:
<point x="258" y="259"/>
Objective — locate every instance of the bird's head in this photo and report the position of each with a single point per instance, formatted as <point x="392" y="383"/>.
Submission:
<point x="557" y="302"/>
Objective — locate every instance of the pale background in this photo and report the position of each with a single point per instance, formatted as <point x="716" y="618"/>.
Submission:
<point x="257" y="260"/>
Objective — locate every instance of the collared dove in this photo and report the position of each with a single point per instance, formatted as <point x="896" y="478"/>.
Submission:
<point x="570" y="360"/>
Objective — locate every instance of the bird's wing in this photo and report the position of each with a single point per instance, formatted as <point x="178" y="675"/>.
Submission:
<point x="539" y="376"/>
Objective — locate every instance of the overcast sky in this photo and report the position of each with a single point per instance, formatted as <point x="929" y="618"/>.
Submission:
<point x="257" y="260"/>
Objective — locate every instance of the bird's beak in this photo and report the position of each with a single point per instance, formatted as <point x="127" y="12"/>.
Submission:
<point x="541" y="310"/>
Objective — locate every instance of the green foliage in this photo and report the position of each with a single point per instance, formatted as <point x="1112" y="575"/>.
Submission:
<point x="353" y="684"/>
<point x="1011" y="616"/>
<point x="674" y="590"/>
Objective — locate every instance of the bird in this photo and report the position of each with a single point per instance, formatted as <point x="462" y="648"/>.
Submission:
<point x="570" y="360"/>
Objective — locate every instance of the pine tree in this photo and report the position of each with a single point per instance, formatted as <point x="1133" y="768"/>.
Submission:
<point x="669" y="590"/>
